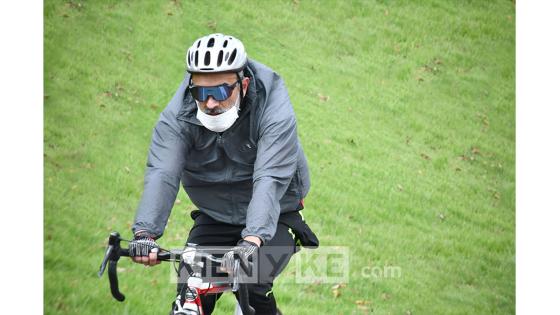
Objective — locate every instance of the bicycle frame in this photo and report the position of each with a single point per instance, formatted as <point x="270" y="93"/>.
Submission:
<point x="195" y="287"/>
<point x="192" y="300"/>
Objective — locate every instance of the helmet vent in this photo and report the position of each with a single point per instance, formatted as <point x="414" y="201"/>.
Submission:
<point x="198" y="44"/>
<point x="189" y="58"/>
<point x="225" y="43"/>
<point x="207" y="58"/>
<point x="210" y="42"/>
<point x="232" y="57"/>
<point x="196" y="58"/>
<point x="220" y="57"/>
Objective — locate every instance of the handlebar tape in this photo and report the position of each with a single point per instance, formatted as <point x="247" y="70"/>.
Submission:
<point x="114" y="281"/>
<point x="246" y="308"/>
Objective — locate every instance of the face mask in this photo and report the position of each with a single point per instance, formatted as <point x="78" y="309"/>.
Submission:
<point x="220" y="122"/>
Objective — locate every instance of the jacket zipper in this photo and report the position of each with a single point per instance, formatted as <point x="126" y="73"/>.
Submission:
<point x="220" y="140"/>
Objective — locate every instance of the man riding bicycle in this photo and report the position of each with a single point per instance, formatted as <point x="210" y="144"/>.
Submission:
<point x="229" y="135"/>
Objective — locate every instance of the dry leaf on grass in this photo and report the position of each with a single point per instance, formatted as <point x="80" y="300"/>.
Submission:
<point x="425" y="156"/>
<point x="323" y="98"/>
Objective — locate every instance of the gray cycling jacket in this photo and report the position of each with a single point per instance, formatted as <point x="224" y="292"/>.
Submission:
<point x="247" y="175"/>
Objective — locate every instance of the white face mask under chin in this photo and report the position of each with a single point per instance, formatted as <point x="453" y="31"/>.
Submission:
<point x="220" y="122"/>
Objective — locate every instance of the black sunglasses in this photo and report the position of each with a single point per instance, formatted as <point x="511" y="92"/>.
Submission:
<point x="219" y="92"/>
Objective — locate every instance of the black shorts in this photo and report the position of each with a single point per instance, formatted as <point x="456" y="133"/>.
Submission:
<point x="291" y="232"/>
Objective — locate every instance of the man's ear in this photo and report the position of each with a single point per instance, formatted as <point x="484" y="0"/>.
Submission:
<point x="245" y="84"/>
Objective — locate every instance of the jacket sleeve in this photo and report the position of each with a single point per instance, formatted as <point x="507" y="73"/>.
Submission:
<point x="163" y="172"/>
<point x="275" y="164"/>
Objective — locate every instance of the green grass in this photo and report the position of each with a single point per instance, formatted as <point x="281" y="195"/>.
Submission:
<point x="412" y="154"/>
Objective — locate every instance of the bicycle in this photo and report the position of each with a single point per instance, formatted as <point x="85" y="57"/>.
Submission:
<point x="188" y="302"/>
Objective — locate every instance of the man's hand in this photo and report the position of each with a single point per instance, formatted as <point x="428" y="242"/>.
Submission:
<point x="143" y="250"/>
<point x="245" y="249"/>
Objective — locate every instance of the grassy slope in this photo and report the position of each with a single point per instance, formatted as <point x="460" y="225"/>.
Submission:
<point x="412" y="155"/>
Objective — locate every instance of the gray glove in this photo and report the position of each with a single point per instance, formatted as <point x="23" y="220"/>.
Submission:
<point x="244" y="249"/>
<point x="142" y="245"/>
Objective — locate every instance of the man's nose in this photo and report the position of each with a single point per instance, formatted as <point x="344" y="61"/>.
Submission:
<point x="211" y="103"/>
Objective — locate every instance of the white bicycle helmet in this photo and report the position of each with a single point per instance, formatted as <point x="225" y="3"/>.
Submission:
<point x="216" y="53"/>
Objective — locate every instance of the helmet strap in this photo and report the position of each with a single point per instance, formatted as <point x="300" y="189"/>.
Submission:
<point x="240" y="89"/>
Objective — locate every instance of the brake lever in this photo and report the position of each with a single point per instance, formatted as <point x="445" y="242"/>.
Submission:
<point x="108" y="253"/>
<point x="235" y="280"/>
